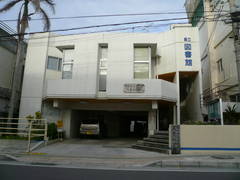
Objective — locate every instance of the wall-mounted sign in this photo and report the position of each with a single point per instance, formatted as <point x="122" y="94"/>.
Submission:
<point x="134" y="88"/>
<point x="188" y="51"/>
<point x="60" y="126"/>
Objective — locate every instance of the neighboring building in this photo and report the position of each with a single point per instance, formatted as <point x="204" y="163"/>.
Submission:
<point x="8" y="50"/>
<point x="219" y="70"/>
<point x="120" y="79"/>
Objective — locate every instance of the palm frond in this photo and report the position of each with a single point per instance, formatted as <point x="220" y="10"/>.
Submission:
<point x="9" y="5"/>
<point x="24" y="19"/>
<point x="46" y="20"/>
<point x="19" y="19"/>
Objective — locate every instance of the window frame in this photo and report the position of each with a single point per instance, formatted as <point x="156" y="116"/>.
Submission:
<point x="149" y="61"/>
<point x="67" y="63"/>
<point x="102" y="70"/>
<point x="220" y="66"/>
<point x="59" y="63"/>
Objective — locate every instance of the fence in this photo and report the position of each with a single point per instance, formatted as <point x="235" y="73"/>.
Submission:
<point x="24" y="127"/>
<point x="210" y="139"/>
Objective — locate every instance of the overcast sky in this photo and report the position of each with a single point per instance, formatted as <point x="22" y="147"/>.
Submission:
<point x="93" y="7"/>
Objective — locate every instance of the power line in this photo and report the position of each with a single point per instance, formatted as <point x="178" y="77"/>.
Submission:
<point x="101" y="25"/>
<point x="111" y="30"/>
<point x="108" y="15"/>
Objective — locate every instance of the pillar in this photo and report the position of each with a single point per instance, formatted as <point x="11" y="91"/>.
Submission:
<point x="66" y="118"/>
<point x="175" y="115"/>
<point x="152" y="122"/>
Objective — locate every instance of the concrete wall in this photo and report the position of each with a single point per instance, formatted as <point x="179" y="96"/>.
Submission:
<point x="40" y="83"/>
<point x="192" y="102"/>
<point x="154" y="89"/>
<point x="66" y="117"/>
<point x="216" y="42"/>
<point x="50" y="113"/>
<point x="7" y="60"/>
<point x="33" y="82"/>
<point x="209" y="139"/>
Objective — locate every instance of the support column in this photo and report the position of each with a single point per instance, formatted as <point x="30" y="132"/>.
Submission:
<point x="178" y="98"/>
<point x="157" y="124"/>
<point x="66" y="118"/>
<point x="152" y="121"/>
<point x="174" y="115"/>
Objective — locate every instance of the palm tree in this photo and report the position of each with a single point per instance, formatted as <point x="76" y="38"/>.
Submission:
<point x="24" y="16"/>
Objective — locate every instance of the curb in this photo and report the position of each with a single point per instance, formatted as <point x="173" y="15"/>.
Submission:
<point x="196" y="164"/>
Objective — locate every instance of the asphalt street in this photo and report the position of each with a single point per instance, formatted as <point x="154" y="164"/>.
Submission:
<point x="37" y="172"/>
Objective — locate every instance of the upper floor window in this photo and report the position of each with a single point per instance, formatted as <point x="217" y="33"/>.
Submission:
<point x="142" y="59"/>
<point x="54" y="63"/>
<point x="103" y="59"/>
<point x="68" y="62"/>
<point x="235" y="98"/>
<point x="220" y="65"/>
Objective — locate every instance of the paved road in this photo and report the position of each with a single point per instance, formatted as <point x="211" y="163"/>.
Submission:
<point x="14" y="171"/>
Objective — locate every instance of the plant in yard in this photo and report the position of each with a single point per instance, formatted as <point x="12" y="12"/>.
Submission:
<point x="24" y="16"/>
<point x="52" y="131"/>
<point x="231" y="116"/>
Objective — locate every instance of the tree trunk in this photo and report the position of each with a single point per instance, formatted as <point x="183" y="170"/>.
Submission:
<point x="16" y="81"/>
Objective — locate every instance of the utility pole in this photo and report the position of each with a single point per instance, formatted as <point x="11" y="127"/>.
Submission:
<point x="235" y="18"/>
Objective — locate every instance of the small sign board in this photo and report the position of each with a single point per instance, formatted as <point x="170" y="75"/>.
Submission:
<point x="134" y="88"/>
<point x="60" y="126"/>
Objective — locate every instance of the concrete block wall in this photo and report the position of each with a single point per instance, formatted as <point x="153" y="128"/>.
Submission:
<point x="210" y="139"/>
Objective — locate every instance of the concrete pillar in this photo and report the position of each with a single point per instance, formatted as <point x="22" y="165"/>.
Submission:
<point x="66" y="118"/>
<point x="178" y="98"/>
<point x="152" y="121"/>
<point x="157" y="120"/>
<point x="175" y="115"/>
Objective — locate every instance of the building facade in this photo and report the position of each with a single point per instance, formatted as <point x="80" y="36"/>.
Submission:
<point x="147" y="79"/>
<point x="8" y="50"/>
<point x="219" y="70"/>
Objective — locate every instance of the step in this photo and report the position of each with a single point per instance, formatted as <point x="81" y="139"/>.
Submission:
<point x="159" y="136"/>
<point x="156" y="140"/>
<point x="142" y="147"/>
<point x="161" y="133"/>
<point x="153" y="144"/>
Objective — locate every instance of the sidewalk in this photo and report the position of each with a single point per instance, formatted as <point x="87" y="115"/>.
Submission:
<point x="162" y="161"/>
<point x="118" y="155"/>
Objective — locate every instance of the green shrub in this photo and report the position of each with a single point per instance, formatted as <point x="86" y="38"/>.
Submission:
<point x="52" y="131"/>
<point x="13" y="137"/>
<point x="200" y="123"/>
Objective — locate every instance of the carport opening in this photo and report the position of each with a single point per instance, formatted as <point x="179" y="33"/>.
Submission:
<point x="111" y="124"/>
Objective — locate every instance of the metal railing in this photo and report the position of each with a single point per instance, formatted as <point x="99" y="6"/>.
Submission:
<point x="218" y="92"/>
<point x="24" y="127"/>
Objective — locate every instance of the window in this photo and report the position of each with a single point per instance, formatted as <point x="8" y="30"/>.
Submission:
<point x="67" y="71"/>
<point x="54" y="63"/>
<point x="235" y="98"/>
<point x="142" y="58"/>
<point x="220" y="65"/>
<point x="103" y="57"/>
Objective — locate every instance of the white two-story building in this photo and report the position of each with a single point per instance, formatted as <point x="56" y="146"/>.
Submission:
<point x="147" y="79"/>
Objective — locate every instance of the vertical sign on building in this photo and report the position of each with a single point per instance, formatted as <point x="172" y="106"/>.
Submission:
<point x="188" y="51"/>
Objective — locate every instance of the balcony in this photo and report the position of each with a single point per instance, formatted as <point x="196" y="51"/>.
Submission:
<point x="152" y="89"/>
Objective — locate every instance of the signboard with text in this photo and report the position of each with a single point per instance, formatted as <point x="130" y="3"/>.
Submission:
<point x="134" y="88"/>
<point x="188" y="51"/>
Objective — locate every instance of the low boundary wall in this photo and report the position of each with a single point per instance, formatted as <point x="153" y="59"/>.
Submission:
<point x="209" y="139"/>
